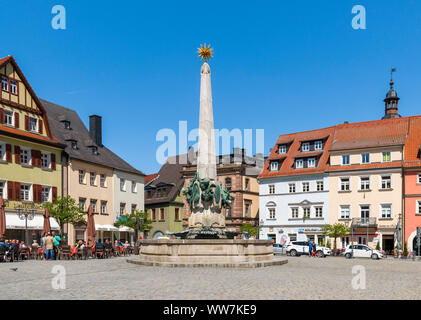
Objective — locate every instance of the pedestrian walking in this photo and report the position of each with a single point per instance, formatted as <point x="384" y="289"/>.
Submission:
<point x="49" y="247"/>
<point x="310" y="248"/>
<point x="57" y="241"/>
<point x="314" y="250"/>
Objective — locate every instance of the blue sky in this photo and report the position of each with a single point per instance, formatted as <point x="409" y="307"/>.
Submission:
<point x="283" y="66"/>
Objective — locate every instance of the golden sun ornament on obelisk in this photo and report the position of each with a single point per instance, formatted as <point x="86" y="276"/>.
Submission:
<point x="205" y="52"/>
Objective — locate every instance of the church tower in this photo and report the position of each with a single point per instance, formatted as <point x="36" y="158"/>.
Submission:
<point x="391" y="102"/>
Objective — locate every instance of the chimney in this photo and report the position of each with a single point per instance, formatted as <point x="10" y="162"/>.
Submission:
<point x="95" y="129"/>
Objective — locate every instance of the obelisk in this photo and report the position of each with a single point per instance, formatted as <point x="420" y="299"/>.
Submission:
<point x="206" y="160"/>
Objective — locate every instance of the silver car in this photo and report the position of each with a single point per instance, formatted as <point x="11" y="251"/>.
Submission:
<point x="278" y="249"/>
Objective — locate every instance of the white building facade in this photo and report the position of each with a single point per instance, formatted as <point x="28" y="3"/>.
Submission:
<point x="294" y="208"/>
<point x="128" y="193"/>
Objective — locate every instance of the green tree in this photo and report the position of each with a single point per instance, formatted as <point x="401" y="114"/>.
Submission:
<point x="405" y="249"/>
<point x="65" y="210"/>
<point x="335" y="231"/>
<point x="250" y="229"/>
<point x="137" y="220"/>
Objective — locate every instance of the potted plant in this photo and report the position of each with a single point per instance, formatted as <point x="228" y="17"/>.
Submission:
<point x="405" y="251"/>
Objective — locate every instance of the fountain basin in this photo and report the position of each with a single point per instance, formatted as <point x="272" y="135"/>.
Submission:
<point x="207" y="253"/>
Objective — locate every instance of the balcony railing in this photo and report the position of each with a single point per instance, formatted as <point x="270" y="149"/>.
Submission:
<point x="364" y="223"/>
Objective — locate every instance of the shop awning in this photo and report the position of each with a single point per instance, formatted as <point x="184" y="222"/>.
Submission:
<point x="105" y="227"/>
<point x="125" y="229"/>
<point x="13" y="222"/>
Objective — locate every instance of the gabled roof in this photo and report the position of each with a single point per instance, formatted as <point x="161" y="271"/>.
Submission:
<point x="170" y="176"/>
<point x="370" y="134"/>
<point x="80" y="133"/>
<point x="10" y="59"/>
<point x="287" y="166"/>
<point x="412" y="149"/>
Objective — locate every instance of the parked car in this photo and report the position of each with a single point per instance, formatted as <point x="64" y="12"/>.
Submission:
<point x="298" y="248"/>
<point x="278" y="248"/>
<point x="362" y="251"/>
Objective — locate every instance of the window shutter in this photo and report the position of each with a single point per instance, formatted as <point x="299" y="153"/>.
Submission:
<point x="53" y="161"/>
<point x="39" y="193"/>
<point x="38" y="156"/>
<point x="1" y="116"/>
<point x="54" y="194"/>
<point x="34" y="158"/>
<point x="16" y="120"/>
<point x="17" y="191"/>
<point x="40" y="127"/>
<point x="17" y="154"/>
<point x="8" y="153"/>
<point x="26" y="123"/>
<point x="10" y="190"/>
<point x="35" y="192"/>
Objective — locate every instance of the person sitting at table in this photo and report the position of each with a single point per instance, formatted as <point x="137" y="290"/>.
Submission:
<point x="22" y="245"/>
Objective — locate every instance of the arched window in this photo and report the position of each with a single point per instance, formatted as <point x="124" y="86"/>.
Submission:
<point x="271" y="209"/>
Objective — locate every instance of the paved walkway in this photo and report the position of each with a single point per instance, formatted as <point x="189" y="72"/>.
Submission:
<point x="301" y="278"/>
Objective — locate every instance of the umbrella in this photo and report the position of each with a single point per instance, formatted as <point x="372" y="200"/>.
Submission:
<point x="91" y="227"/>
<point x="47" y="227"/>
<point x="2" y="220"/>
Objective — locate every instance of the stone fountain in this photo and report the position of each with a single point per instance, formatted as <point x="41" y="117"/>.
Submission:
<point x="206" y="242"/>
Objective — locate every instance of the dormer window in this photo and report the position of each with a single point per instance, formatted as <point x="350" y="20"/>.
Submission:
<point x="4" y="84"/>
<point x="94" y="150"/>
<point x="274" y="166"/>
<point x="305" y="147"/>
<point x="311" y="162"/>
<point x="282" y="149"/>
<point x="73" y="144"/>
<point x="299" y="164"/>
<point x="66" y="125"/>
<point x="318" y="145"/>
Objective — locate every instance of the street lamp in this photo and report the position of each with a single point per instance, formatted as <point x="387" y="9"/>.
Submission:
<point x="26" y="215"/>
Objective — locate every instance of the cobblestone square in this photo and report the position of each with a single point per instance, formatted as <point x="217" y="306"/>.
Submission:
<point x="301" y="278"/>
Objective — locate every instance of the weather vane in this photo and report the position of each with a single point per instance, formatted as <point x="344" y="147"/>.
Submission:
<point x="391" y="73"/>
<point x="205" y="52"/>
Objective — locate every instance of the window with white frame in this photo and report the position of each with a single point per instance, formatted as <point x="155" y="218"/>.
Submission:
<point x="45" y="160"/>
<point x="82" y="203"/>
<point x="386" y="182"/>
<point x="102" y="180"/>
<point x="25" y="156"/>
<point x="4" y="84"/>
<point x="134" y="187"/>
<point x="271" y="189"/>
<point x="306" y="212"/>
<point x="318" y="145"/>
<point x="33" y="124"/>
<point x="122" y="208"/>
<point x="92" y="179"/>
<point x="365" y="212"/>
<point x="2" y="151"/>
<point x="306" y="186"/>
<point x="3" y="189"/>
<point x="122" y="184"/>
<point x="291" y="188"/>
<point x="81" y="177"/>
<point x="365" y="157"/>
<point x="282" y="149"/>
<point x="365" y="183"/>
<point x="311" y="162"/>
<point x="24" y="192"/>
<point x="274" y="166"/>
<point x="305" y="147"/>
<point x="419" y="207"/>
<point x="345" y="159"/>
<point x="386" y="211"/>
<point x="45" y="194"/>
<point x="320" y="185"/>
<point x="103" y="207"/>
<point x="299" y="164"/>
<point x="271" y="213"/>
<point x="345" y="185"/>
<point x="13" y="87"/>
<point x="419" y="177"/>
<point x="8" y="117"/>
<point x="344" y="212"/>
<point x="93" y="204"/>
<point x="386" y="156"/>
<point x="294" y="213"/>
<point x="319" y="212"/>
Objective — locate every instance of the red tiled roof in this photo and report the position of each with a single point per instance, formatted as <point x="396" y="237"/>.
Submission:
<point x="413" y="142"/>
<point x="308" y="154"/>
<point x="32" y="136"/>
<point x="387" y="132"/>
<point x="394" y="164"/>
<point x="287" y="166"/>
<point x="150" y="177"/>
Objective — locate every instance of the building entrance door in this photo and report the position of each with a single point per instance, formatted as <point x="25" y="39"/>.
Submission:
<point x="388" y="242"/>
